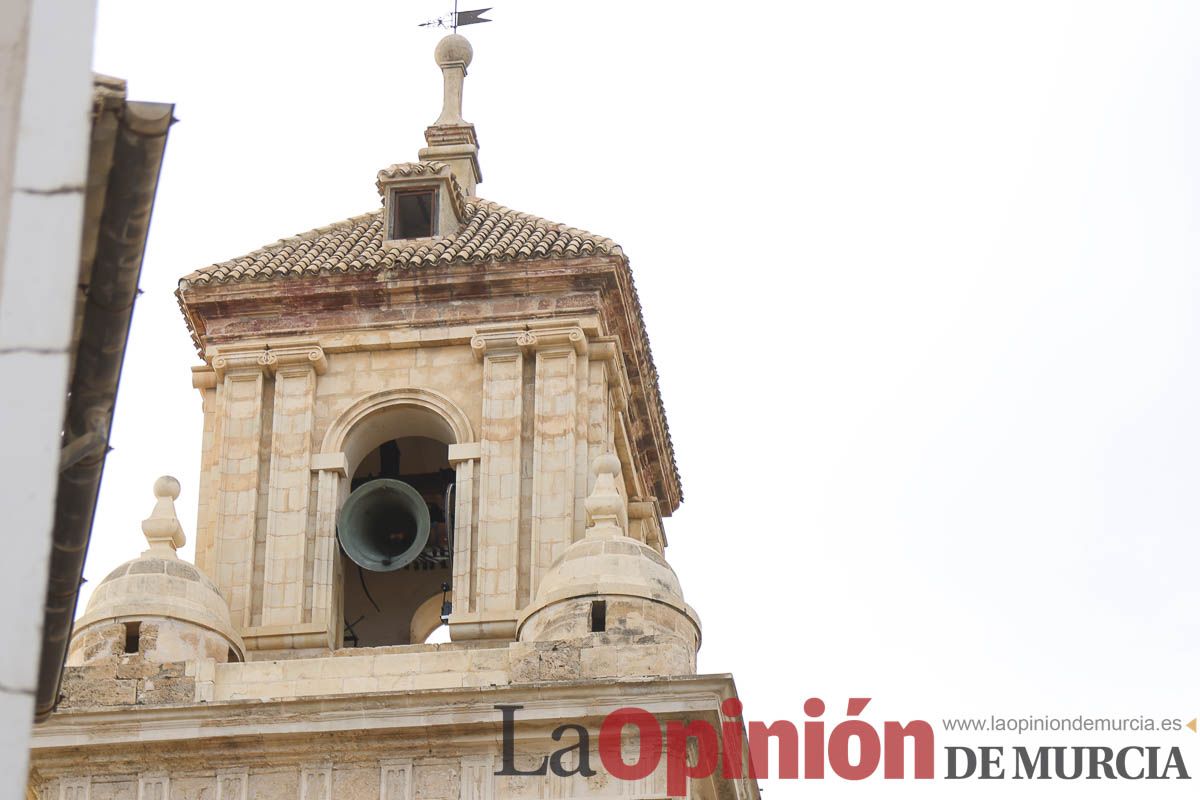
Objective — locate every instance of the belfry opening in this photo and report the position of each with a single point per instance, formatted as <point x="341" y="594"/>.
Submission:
<point x="395" y="536"/>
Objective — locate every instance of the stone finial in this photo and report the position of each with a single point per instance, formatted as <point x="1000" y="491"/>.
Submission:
<point x="607" y="512"/>
<point x="162" y="528"/>
<point x="450" y="138"/>
<point x="453" y="54"/>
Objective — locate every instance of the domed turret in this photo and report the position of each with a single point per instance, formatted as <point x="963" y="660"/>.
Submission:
<point x="156" y="605"/>
<point x="608" y="583"/>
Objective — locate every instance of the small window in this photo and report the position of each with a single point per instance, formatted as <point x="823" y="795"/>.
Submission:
<point x="599" y="615"/>
<point x="412" y="214"/>
<point x="133" y="637"/>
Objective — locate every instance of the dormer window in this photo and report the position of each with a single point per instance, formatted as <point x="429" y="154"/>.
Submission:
<point x="421" y="200"/>
<point x="413" y="214"/>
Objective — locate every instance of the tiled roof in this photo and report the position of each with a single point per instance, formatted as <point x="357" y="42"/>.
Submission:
<point x="489" y="233"/>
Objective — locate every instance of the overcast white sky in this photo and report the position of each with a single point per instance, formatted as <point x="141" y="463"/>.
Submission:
<point x="920" y="278"/>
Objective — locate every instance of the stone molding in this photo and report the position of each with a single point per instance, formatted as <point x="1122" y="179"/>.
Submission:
<point x="331" y="462"/>
<point x="288" y="357"/>
<point x="338" y="431"/>
<point x="464" y="451"/>
<point x="412" y="711"/>
<point x="528" y="338"/>
<point x="259" y="357"/>
<point x="239" y="361"/>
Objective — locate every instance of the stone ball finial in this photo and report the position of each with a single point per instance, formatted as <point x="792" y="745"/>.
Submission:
<point x="453" y="49"/>
<point x="162" y="529"/>
<point x="606" y="508"/>
<point x="606" y="464"/>
<point x="166" y="486"/>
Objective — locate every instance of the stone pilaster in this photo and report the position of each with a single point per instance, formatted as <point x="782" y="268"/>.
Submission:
<point x="316" y="782"/>
<point x="154" y="787"/>
<point x="465" y="460"/>
<point x="232" y="783"/>
<point x="557" y="351"/>
<point x="296" y="368"/>
<point x="75" y="789"/>
<point x="495" y="589"/>
<point x="239" y="432"/>
<point x="395" y="780"/>
<point x="477" y="781"/>
<point x="204" y="380"/>
<point x="331" y="472"/>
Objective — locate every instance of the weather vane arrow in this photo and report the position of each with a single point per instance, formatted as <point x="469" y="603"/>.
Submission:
<point x="456" y="18"/>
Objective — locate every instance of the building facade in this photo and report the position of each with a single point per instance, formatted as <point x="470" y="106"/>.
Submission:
<point x="79" y="164"/>
<point x="442" y="412"/>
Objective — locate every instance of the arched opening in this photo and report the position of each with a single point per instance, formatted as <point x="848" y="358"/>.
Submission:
<point x="379" y="605"/>
<point x="398" y="436"/>
<point x="427" y="625"/>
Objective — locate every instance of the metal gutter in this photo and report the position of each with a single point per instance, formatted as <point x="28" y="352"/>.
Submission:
<point x="128" y="140"/>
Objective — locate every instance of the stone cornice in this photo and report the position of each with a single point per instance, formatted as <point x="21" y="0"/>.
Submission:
<point x="460" y="298"/>
<point x="413" y="713"/>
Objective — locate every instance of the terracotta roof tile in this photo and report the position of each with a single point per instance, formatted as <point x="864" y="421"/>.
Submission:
<point x="489" y="233"/>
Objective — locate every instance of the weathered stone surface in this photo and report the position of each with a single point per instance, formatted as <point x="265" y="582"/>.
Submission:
<point x="125" y="681"/>
<point x="436" y="781"/>
<point x="504" y="356"/>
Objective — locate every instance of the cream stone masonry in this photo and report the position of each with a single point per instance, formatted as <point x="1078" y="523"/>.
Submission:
<point x="451" y="138"/>
<point x="460" y="429"/>
<point x="496" y="601"/>
<point x="238" y="443"/>
<point x="558" y="353"/>
<point x="295" y="368"/>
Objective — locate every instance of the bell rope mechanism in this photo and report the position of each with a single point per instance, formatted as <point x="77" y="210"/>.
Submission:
<point x="383" y="525"/>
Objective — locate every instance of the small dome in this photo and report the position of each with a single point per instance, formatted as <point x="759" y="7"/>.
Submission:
<point x="184" y="608"/>
<point x="611" y="566"/>
<point x="605" y="564"/>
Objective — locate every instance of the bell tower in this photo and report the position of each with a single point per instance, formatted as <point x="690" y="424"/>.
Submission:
<point x="479" y="357"/>
<point x="439" y="412"/>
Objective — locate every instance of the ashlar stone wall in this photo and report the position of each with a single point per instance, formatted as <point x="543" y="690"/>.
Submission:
<point x="524" y="409"/>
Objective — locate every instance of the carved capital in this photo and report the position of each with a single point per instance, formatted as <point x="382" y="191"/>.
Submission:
<point x="495" y="342"/>
<point x="300" y="354"/>
<point x="239" y="360"/>
<point x="571" y="336"/>
<point x="529" y="338"/>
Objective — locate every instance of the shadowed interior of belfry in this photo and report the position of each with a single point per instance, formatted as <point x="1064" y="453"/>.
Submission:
<point x="396" y="543"/>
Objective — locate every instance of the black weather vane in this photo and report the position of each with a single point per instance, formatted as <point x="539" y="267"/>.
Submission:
<point x="456" y="18"/>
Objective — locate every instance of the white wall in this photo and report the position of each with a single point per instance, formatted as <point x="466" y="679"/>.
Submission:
<point x="45" y="100"/>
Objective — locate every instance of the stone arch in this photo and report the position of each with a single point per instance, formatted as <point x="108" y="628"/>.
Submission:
<point x="360" y="427"/>
<point x="358" y="430"/>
